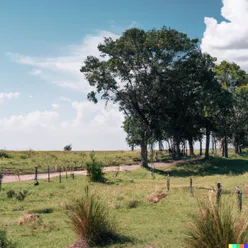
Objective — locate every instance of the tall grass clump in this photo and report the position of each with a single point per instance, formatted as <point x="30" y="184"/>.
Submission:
<point x="90" y="220"/>
<point x="4" y="241"/>
<point x="216" y="226"/>
<point x="94" y="169"/>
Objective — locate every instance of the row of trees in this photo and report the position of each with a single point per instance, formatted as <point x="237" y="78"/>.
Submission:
<point x="169" y="90"/>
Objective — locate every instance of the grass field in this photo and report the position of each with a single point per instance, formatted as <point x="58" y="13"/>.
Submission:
<point x="163" y="224"/>
<point x="23" y="162"/>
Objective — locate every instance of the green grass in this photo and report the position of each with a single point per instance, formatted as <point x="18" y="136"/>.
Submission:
<point x="161" y="225"/>
<point x="23" y="162"/>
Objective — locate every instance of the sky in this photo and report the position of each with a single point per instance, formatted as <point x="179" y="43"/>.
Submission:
<point x="43" y="96"/>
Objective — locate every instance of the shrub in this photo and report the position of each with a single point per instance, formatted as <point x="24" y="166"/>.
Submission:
<point x="4" y="241"/>
<point x="11" y="193"/>
<point x="90" y="220"/>
<point x="215" y="226"/>
<point x="94" y="169"/>
<point x="133" y="204"/>
<point x="21" y="195"/>
<point x="68" y="148"/>
<point x="4" y="154"/>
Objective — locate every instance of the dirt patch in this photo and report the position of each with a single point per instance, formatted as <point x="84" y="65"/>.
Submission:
<point x="30" y="220"/>
<point x="156" y="198"/>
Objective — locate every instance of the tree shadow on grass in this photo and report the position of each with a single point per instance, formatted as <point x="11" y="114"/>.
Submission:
<point x="115" y="239"/>
<point x="213" y="166"/>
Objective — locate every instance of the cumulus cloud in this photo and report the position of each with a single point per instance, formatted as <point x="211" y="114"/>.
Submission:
<point x="35" y="72"/>
<point x="30" y="121"/>
<point x="228" y="40"/>
<point x="8" y="96"/>
<point x="64" y="70"/>
<point x="92" y="127"/>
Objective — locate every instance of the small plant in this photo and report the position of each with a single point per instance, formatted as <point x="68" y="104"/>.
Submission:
<point x="90" y="220"/>
<point x="94" y="169"/>
<point x="21" y="195"/>
<point x="133" y="204"/>
<point x="68" y="148"/>
<point x="11" y="193"/>
<point x="4" y="154"/>
<point x="217" y="226"/>
<point x="4" y="241"/>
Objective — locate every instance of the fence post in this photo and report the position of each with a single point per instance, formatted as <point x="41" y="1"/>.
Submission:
<point x="36" y="183"/>
<point x="239" y="197"/>
<point x="66" y="173"/>
<point x="60" y="178"/>
<point x="48" y="171"/>
<point x="1" y="177"/>
<point x="73" y="176"/>
<point x="168" y="182"/>
<point x="218" y="192"/>
<point x="191" y="187"/>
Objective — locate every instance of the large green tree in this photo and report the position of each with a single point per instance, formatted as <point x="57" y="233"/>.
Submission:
<point x="134" y="71"/>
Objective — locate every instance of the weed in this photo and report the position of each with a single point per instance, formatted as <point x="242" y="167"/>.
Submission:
<point x="90" y="220"/>
<point x="216" y="226"/>
<point x="133" y="204"/>
<point x="11" y="193"/>
<point x="21" y="195"/>
<point x="4" y="241"/>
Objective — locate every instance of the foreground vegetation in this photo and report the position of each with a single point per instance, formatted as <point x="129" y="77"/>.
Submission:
<point x="138" y="221"/>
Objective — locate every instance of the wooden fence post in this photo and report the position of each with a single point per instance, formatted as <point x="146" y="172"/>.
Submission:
<point x="60" y="178"/>
<point x="48" y="171"/>
<point x="239" y="197"/>
<point x="191" y="187"/>
<point x="36" y="183"/>
<point x="218" y="192"/>
<point x="1" y="178"/>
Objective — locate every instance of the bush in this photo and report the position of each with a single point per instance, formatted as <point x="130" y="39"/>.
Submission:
<point x="4" y="154"/>
<point x="94" y="169"/>
<point x="11" y="193"/>
<point x="4" y="241"/>
<point x="90" y="220"/>
<point x="215" y="226"/>
<point x="68" y="148"/>
<point x="21" y="195"/>
<point x="133" y="204"/>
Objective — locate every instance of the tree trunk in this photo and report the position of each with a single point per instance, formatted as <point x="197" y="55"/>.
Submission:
<point x="191" y="147"/>
<point x="207" y="144"/>
<point x="200" y="147"/>
<point x="144" y="160"/>
<point x="223" y="147"/>
<point x="160" y="145"/>
<point x="226" y="147"/>
<point x="132" y="147"/>
<point x="178" y="150"/>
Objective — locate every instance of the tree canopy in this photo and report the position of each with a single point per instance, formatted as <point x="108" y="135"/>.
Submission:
<point x="168" y="89"/>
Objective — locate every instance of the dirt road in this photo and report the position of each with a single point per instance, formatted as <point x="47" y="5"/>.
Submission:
<point x="11" y="178"/>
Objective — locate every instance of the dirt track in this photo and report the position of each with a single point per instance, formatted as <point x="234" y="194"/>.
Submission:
<point x="11" y="179"/>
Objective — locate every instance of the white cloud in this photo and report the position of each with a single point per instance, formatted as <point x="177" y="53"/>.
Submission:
<point x="92" y="128"/>
<point x="30" y="96"/>
<point x="8" y="96"/>
<point x="64" y="99"/>
<point x="36" y="72"/>
<point x="228" y="40"/>
<point x="26" y="123"/>
<point x="55" y="106"/>
<point x="64" y="71"/>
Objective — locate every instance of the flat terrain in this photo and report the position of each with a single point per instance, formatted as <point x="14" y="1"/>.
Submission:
<point x="24" y="162"/>
<point x="163" y="224"/>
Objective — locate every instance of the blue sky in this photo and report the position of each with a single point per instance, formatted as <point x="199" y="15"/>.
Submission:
<point x="43" y="43"/>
